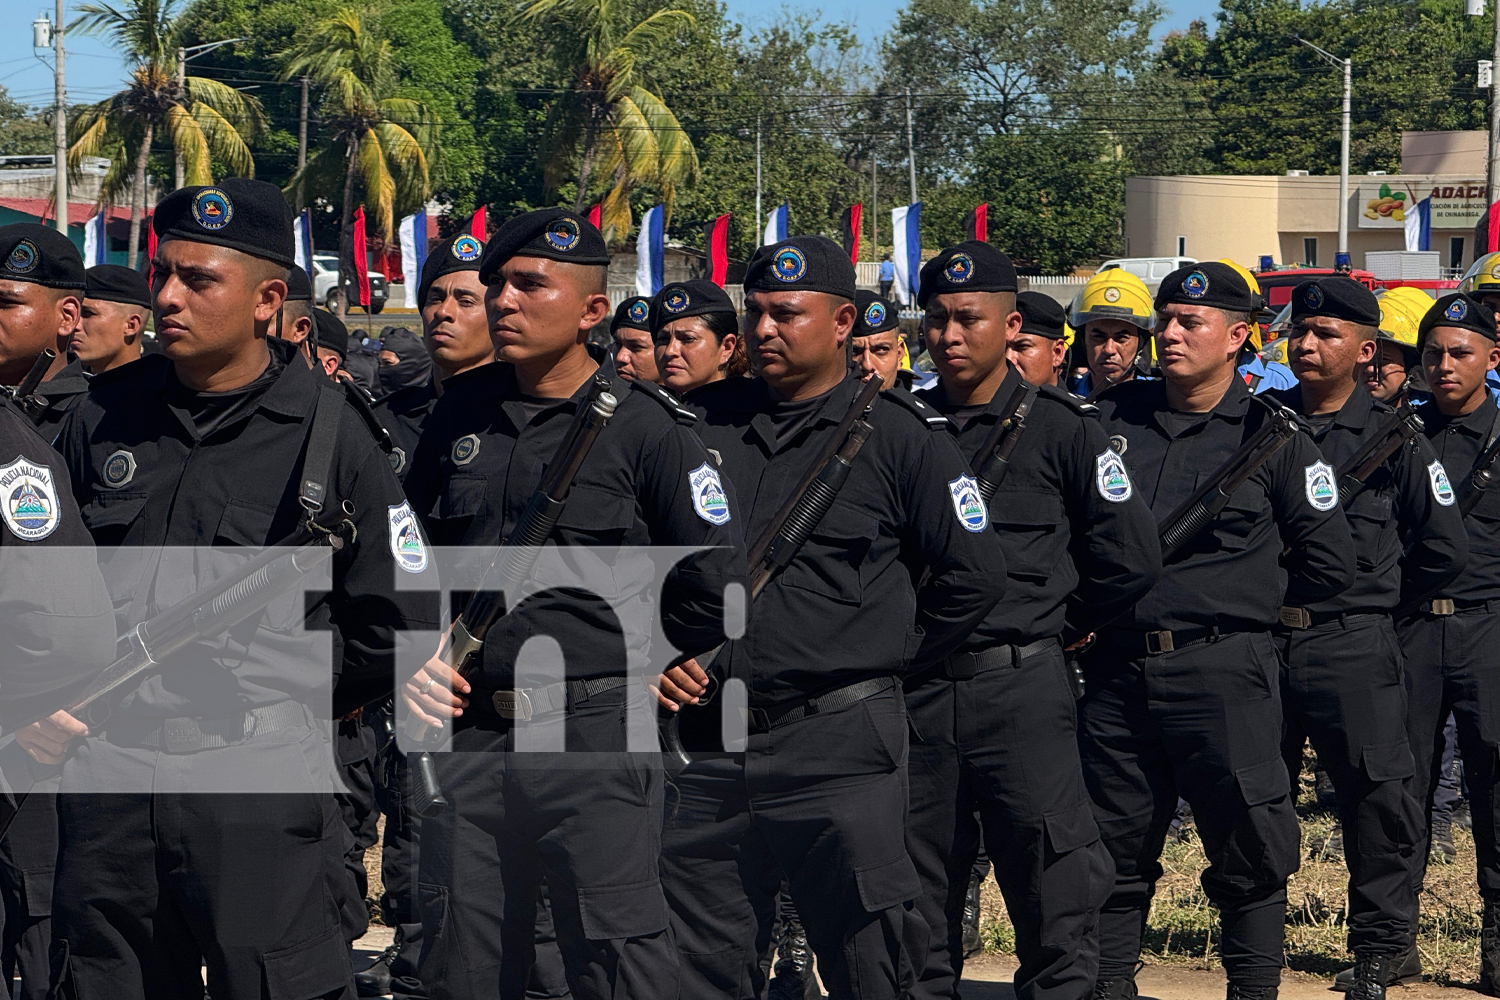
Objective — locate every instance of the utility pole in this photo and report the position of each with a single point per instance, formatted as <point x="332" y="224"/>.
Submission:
<point x="760" y="222"/>
<point x="1344" y="64"/>
<point x="302" y="149"/>
<point x="911" y="156"/>
<point x="874" y="206"/>
<point x="60" y="123"/>
<point x="1494" y="172"/>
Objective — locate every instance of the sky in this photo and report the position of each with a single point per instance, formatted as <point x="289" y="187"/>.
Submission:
<point x="94" y="71"/>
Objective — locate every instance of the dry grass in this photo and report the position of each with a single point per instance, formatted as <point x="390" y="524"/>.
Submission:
<point x="1183" y="925"/>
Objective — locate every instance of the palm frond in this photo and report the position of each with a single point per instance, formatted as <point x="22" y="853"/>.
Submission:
<point x="237" y="107"/>
<point x="224" y="140"/>
<point x="407" y="164"/>
<point x="379" y="185"/>
<point x="191" y="145"/>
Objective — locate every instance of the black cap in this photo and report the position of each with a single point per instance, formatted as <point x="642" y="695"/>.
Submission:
<point x="1207" y="283"/>
<point x="971" y="266"/>
<point x="802" y="264"/>
<point x="114" y="283"/>
<point x="553" y="233"/>
<point x="1041" y="315"/>
<point x="298" y="286"/>
<point x="876" y="315"/>
<point x="1461" y="311"/>
<point x="457" y="253"/>
<point x="697" y="297"/>
<point x="239" y="213"/>
<point x="40" y="255"/>
<point x="332" y="333"/>
<point x="1336" y="297"/>
<point x="632" y="314"/>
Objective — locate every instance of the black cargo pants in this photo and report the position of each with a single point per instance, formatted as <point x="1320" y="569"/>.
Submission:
<point x="28" y="854"/>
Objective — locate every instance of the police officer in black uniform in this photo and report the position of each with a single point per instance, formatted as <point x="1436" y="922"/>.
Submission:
<point x="40" y="515"/>
<point x="41" y="314"/>
<point x="226" y="439"/>
<point x="1182" y="691"/>
<point x="1341" y="679"/>
<point x="634" y="350"/>
<point x="295" y="322"/>
<point x="819" y="792"/>
<point x="876" y="342"/>
<point x="1452" y="641"/>
<point x="594" y="830"/>
<point x="995" y="721"/>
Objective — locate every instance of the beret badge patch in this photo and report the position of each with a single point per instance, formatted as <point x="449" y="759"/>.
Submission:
<point x="23" y="257"/>
<point x="789" y="265"/>
<point x="212" y="209"/>
<point x="1195" y="285"/>
<point x="1111" y="295"/>
<point x="562" y="234"/>
<point x="467" y="249"/>
<point x="639" y="310"/>
<point x="1314" y="297"/>
<point x="960" y="268"/>
<point x="1457" y="310"/>
<point x="676" y="301"/>
<point x="875" y="314"/>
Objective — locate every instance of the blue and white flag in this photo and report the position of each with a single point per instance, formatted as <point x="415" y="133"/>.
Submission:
<point x="906" y="239"/>
<point x="413" y="236"/>
<point x="775" y="225"/>
<point x="648" y="252"/>
<point x="302" y="240"/>
<point x="95" y="246"/>
<point x="1419" y="225"/>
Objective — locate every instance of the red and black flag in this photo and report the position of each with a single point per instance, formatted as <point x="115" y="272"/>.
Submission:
<point x="596" y="213"/>
<point x="853" y="216"/>
<point x="716" y="242"/>
<point x="977" y="224"/>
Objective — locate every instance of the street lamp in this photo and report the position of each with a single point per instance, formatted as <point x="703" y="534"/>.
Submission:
<point x="1344" y="153"/>
<point x="184" y="53"/>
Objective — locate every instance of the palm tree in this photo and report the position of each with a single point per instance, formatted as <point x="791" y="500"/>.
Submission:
<point x="203" y="119"/>
<point x="613" y="119"/>
<point x="385" y="142"/>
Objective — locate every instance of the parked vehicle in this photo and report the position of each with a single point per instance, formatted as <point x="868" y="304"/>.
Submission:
<point x="1148" y="268"/>
<point x="325" y="284"/>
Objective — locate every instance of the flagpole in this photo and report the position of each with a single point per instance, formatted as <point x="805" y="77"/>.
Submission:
<point x="760" y="221"/>
<point x="874" y="207"/>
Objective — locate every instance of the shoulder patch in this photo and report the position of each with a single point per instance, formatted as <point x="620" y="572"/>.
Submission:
<point x="464" y="449"/>
<point x="666" y="401"/>
<point x="1442" y="489"/>
<point x="709" y="498"/>
<point x="1322" y="493"/>
<point x="1111" y="478"/>
<point x="968" y="504"/>
<point x="406" y="538"/>
<point x="934" y="420"/>
<point x="28" y="499"/>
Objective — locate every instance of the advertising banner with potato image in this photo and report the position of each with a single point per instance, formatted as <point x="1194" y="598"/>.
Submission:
<point x="1455" y="204"/>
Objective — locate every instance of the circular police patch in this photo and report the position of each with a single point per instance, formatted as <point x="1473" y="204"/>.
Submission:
<point x="1322" y="494"/>
<point x="789" y="265"/>
<point x="1442" y="489"/>
<point x="464" y="449"/>
<point x="1314" y="297"/>
<point x="1111" y="295"/>
<point x="638" y="311"/>
<point x="467" y="248"/>
<point x="212" y="209"/>
<point x="968" y="504"/>
<point x="1110" y="477"/>
<point x="960" y="268"/>
<point x="119" y="469"/>
<point x="397" y="458"/>
<point x="406" y="538"/>
<point x="23" y="257"/>
<point x="28" y="500"/>
<point x="1195" y="285"/>
<point x="676" y="301"/>
<point x="709" y="498"/>
<point x="563" y="234"/>
<point x="875" y="314"/>
<point x="1457" y="310"/>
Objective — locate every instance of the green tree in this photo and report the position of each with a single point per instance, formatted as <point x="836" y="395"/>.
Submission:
<point x="612" y="120"/>
<point x="22" y="131"/>
<point x="379" y="140"/>
<point x="204" y="120"/>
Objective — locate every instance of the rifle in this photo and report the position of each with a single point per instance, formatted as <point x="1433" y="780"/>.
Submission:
<point x="1357" y="470"/>
<point x="798" y="517"/>
<point x="24" y="395"/>
<point x="1199" y="510"/>
<point x="209" y="612"/>
<point x="464" y="642"/>
<point x="1483" y="473"/>
<point x="1001" y="443"/>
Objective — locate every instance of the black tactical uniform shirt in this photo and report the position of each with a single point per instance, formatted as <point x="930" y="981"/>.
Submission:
<point x="156" y="464"/>
<point x="1232" y="575"/>
<point x="845" y="609"/>
<point x="1408" y="503"/>
<point x="1458" y="442"/>
<point x="63" y="392"/>
<point x="1079" y="548"/>
<point x="56" y="623"/>
<point x="646" y="482"/>
<point x="403" y="414"/>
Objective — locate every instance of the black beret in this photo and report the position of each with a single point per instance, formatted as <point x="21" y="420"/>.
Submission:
<point x="802" y="264"/>
<point x="332" y="333"/>
<point x="1041" y="315"/>
<point x="114" y="283"/>
<point x="298" y="287"/>
<point x="239" y="213"/>
<point x="1207" y="283"/>
<point x="1336" y="297"/>
<point x="633" y="314"/>
<point x="697" y="297"/>
<point x="971" y="266"/>
<point x="457" y="253"/>
<point x="1461" y="311"/>
<point x="553" y="233"/>
<point x="876" y="315"/>
<point x="40" y="255"/>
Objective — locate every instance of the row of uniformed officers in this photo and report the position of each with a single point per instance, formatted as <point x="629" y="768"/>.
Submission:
<point x="907" y="677"/>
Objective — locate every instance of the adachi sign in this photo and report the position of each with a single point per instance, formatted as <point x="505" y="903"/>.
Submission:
<point x="1456" y="204"/>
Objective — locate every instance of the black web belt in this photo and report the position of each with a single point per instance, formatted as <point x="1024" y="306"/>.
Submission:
<point x="189" y="735"/>
<point x="1170" y="640"/>
<point x="1441" y="607"/>
<point x="1305" y="618"/>
<point x="763" y="720"/>
<point x="524" y="704"/>
<point x="963" y="666"/>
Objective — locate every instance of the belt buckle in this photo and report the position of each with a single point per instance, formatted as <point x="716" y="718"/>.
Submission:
<point x="760" y="719"/>
<point x="1296" y="617"/>
<point x="1442" y="606"/>
<point x="181" y="735"/>
<point x="962" y="666"/>
<point x="514" y="705"/>
<point x="1159" y="642"/>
